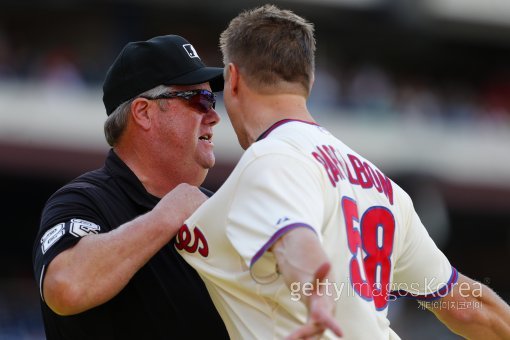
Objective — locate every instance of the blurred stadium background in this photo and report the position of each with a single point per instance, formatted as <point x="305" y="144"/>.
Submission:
<point x="420" y="87"/>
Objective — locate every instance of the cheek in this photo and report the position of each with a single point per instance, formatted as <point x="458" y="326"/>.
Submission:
<point x="234" y="121"/>
<point x="185" y="137"/>
<point x="227" y="102"/>
<point x="176" y="134"/>
<point x="188" y="132"/>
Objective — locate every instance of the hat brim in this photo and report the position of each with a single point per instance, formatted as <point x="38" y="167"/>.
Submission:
<point x="213" y="75"/>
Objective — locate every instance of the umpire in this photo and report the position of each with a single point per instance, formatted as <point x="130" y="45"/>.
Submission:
<point x="104" y="255"/>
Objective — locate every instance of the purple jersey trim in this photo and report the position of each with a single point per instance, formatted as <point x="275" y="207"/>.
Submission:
<point x="432" y="296"/>
<point x="275" y="238"/>
<point x="280" y="123"/>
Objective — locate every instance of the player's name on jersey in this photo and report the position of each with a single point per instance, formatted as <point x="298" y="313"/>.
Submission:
<point x="357" y="171"/>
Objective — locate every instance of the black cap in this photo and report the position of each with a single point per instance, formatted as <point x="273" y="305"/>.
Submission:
<point x="165" y="60"/>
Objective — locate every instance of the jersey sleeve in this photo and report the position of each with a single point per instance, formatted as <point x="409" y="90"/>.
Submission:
<point x="276" y="193"/>
<point x="422" y="271"/>
<point x="67" y="217"/>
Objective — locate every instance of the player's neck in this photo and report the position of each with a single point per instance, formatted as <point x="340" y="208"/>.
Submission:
<point x="266" y="110"/>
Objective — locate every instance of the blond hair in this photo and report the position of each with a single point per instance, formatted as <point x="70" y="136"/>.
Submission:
<point x="271" y="46"/>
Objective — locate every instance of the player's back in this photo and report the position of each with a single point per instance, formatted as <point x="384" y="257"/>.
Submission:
<point x="299" y="175"/>
<point x="358" y="223"/>
<point x="371" y="233"/>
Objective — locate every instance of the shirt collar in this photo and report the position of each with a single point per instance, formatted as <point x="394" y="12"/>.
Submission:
<point x="128" y="181"/>
<point x="280" y="123"/>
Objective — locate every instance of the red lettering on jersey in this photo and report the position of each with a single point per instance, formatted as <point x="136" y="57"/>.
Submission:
<point x="203" y="249"/>
<point x="331" y="151"/>
<point x="328" y="158"/>
<point x="386" y="186"/>
<point x="350" y="176"/>
<point x="367" y="177"/>
<point x="362" y="178"/>
<point x="374" y="177"/>
<point x="184" y="241"/>
<point x="361" y="172"/>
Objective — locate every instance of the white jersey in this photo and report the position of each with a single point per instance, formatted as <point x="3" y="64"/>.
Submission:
<point x="297" y="175"/>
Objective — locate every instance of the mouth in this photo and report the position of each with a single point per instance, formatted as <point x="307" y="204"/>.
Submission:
<point x="206" y="137"/>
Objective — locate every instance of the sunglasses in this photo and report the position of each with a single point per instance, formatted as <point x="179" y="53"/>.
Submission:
<point x="201" y="100"/>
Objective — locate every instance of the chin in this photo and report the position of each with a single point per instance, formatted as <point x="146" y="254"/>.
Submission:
<point x="198" y="177"/>
<point x="207" y="164"/>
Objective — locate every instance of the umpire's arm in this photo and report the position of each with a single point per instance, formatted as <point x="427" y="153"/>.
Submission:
<point x="99" y="266"/>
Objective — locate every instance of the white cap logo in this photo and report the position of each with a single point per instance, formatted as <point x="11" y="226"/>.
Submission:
<point x="191" y="51"/>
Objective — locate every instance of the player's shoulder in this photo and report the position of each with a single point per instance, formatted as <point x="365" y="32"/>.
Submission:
<point x="276" y="152"/>
<point x="294" y="137"/>
<point x="402" y="199"/>
<point x="269" y="146"/>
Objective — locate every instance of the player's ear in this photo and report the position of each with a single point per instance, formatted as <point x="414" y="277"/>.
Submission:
<point x="312" y="81"/>
<point x="232" y="77"/>
<point x="140" y="113"/>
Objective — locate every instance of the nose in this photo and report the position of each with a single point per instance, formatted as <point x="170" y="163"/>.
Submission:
<point x="211" y="117"/>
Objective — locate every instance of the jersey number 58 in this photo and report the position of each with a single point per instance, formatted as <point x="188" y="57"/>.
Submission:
<point x="371" y="245"/>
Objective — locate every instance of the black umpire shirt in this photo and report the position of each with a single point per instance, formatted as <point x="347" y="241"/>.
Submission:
<point x="165" y="299"/>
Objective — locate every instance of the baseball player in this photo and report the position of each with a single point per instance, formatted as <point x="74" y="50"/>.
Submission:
<point x="307" y="237"/>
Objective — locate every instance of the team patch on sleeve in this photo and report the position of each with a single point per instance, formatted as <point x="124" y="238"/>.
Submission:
<point x="80" y="228"/>
<point x="75" y="227"/>
<point x="52" y="236"/>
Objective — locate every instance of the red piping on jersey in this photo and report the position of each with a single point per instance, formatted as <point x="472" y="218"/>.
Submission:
<point x="280" y="123"/>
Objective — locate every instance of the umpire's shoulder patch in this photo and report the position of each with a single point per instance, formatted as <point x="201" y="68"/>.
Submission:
<point x="80" y="228"/>
<point x="51" y="236"/>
